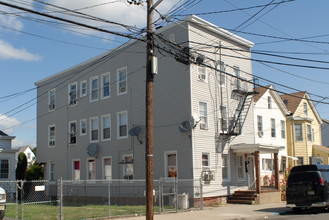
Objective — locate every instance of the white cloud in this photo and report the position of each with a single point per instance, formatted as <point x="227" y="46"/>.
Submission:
<point x="7" y="122"/>
<point x="7" y="51"/>
<point x="118" y="11"/>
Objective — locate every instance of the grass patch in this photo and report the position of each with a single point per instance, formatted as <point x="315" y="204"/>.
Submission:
<point x="50" y="212"/>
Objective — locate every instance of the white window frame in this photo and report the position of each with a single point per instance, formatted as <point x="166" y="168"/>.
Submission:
<point x="227" y="167"/>
<point x="269" y="102"/>
<point x="74" y="176"/>
<point x="242" y="167"/>
<point x="125" y="166"/>
<point x="301" y="132"/>
<point x="51" y="137"/>
<point x="267" y="164"/>
<point x="81" y="127"/>
<point x="283" y="129"/>
<point x="166" y="154"/>
<point x="72" y="101"/>
<point x="88" y="171"/>
<point x="83" y="90"/>
<point x="203" y="115"/>
<point x="305" y="106"/>
<point x="237" y="80"/>
<point x="260" y="125"/>
<point x="52" y="99"/>
<point x="103" y="127"/>
<point x="91" y="129"/>
<point x="73" y="133"/>
<point x="104" y="168"/>
<point x="202" y="73"/>
<point x="52" y="169"/>
<point x="273" y="128"/>
<point x="119" y="88"/>
<point x="94" y="90"/>
<point x="205" y="167"/>
<point x="102" y="86"/>
<point x="119" y="124"/>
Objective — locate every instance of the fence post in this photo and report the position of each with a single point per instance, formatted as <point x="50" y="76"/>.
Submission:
<point x="201" y="194"/>
<point x="160" y="195"/>
<point x="176" y="193"/>
<point x="22" y="201"/>
<point x="17" y="202"/>
<point x="60" y="198"/>
<point x="109" y="195"/>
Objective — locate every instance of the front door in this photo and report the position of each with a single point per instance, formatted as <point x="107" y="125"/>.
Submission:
<point x="250" y="170"/>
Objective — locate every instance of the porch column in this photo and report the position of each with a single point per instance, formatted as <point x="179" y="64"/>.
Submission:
<point x="257" y="169"/>
<point x="276" y="170"/>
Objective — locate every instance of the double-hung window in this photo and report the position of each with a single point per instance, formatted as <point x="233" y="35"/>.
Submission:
<point x="83" y="127"/>
<point x="51" y="99"/>
<point x="106" y="127"/>
<point x="205" y="161"/>
<point x="73" y="91"/>
<point x="240" y="167"/>
<point x="51" y="135"/>
<point x="106" y="89"/>
<point x="305" y="109"/>
<point x="225" y="167"/>
<point x="83" y="88"/>
<point x="236" y="71"/>
<point x="283" y="129"/>
<point x="4" y="169"/>
<point x="122" y="81"/>
<point x="203" y="115"/>
<point x="267" y="164"/>
<point x="94" y="89"/>
<point x="299" y="132"/>
<point x="73" y="132"/>
<point x="94" y="127"/>
<point x="202" y="73"/>
<point x="269" y="102"/>
<point x="122" y="119"/>
<point x="273" y="129"/>
<point x="128" y="170"/>
<point x="260" y="126"/>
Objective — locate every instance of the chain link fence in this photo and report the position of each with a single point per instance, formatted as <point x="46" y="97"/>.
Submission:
<point x="90" y="199"/>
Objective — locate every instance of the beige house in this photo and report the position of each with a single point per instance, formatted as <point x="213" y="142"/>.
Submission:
<point x="303" y="128"/>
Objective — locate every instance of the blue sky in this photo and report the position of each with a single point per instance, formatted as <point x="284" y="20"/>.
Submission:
<point x="32" y="49"/>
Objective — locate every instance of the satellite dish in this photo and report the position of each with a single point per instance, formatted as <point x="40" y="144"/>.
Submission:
<point x="185" y="126"/>
<point x="135" y="131"/>
<point x="138" y="132"/>
<point x="92" y="149"/>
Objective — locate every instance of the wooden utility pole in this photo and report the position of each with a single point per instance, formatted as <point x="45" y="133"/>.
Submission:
<point x="149" y="114"/>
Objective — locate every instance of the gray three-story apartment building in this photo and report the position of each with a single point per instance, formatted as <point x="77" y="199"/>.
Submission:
<point x="91" y="117"/>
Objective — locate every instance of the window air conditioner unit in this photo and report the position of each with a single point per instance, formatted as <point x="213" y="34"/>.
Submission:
<point x="260" y="133"/>
<point x="51" y="106"/>
<point x="208" y="176"/>
<point x="203" y="126"/>
<point x="202" y="77"/>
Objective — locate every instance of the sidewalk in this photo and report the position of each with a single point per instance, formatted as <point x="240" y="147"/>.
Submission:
<point x="225" y="212"/>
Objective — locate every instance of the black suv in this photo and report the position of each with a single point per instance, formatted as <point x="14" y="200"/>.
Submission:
<point x="308" y="186"/>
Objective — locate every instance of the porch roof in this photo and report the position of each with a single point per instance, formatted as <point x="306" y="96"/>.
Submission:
<point x="250" y="148"/>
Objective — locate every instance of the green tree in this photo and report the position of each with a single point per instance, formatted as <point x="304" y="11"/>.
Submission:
<point x="21" y="166"/>
<point x="34" y="172"/>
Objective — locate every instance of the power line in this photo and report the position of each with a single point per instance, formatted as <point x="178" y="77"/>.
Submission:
<point x="231" y="10"/>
